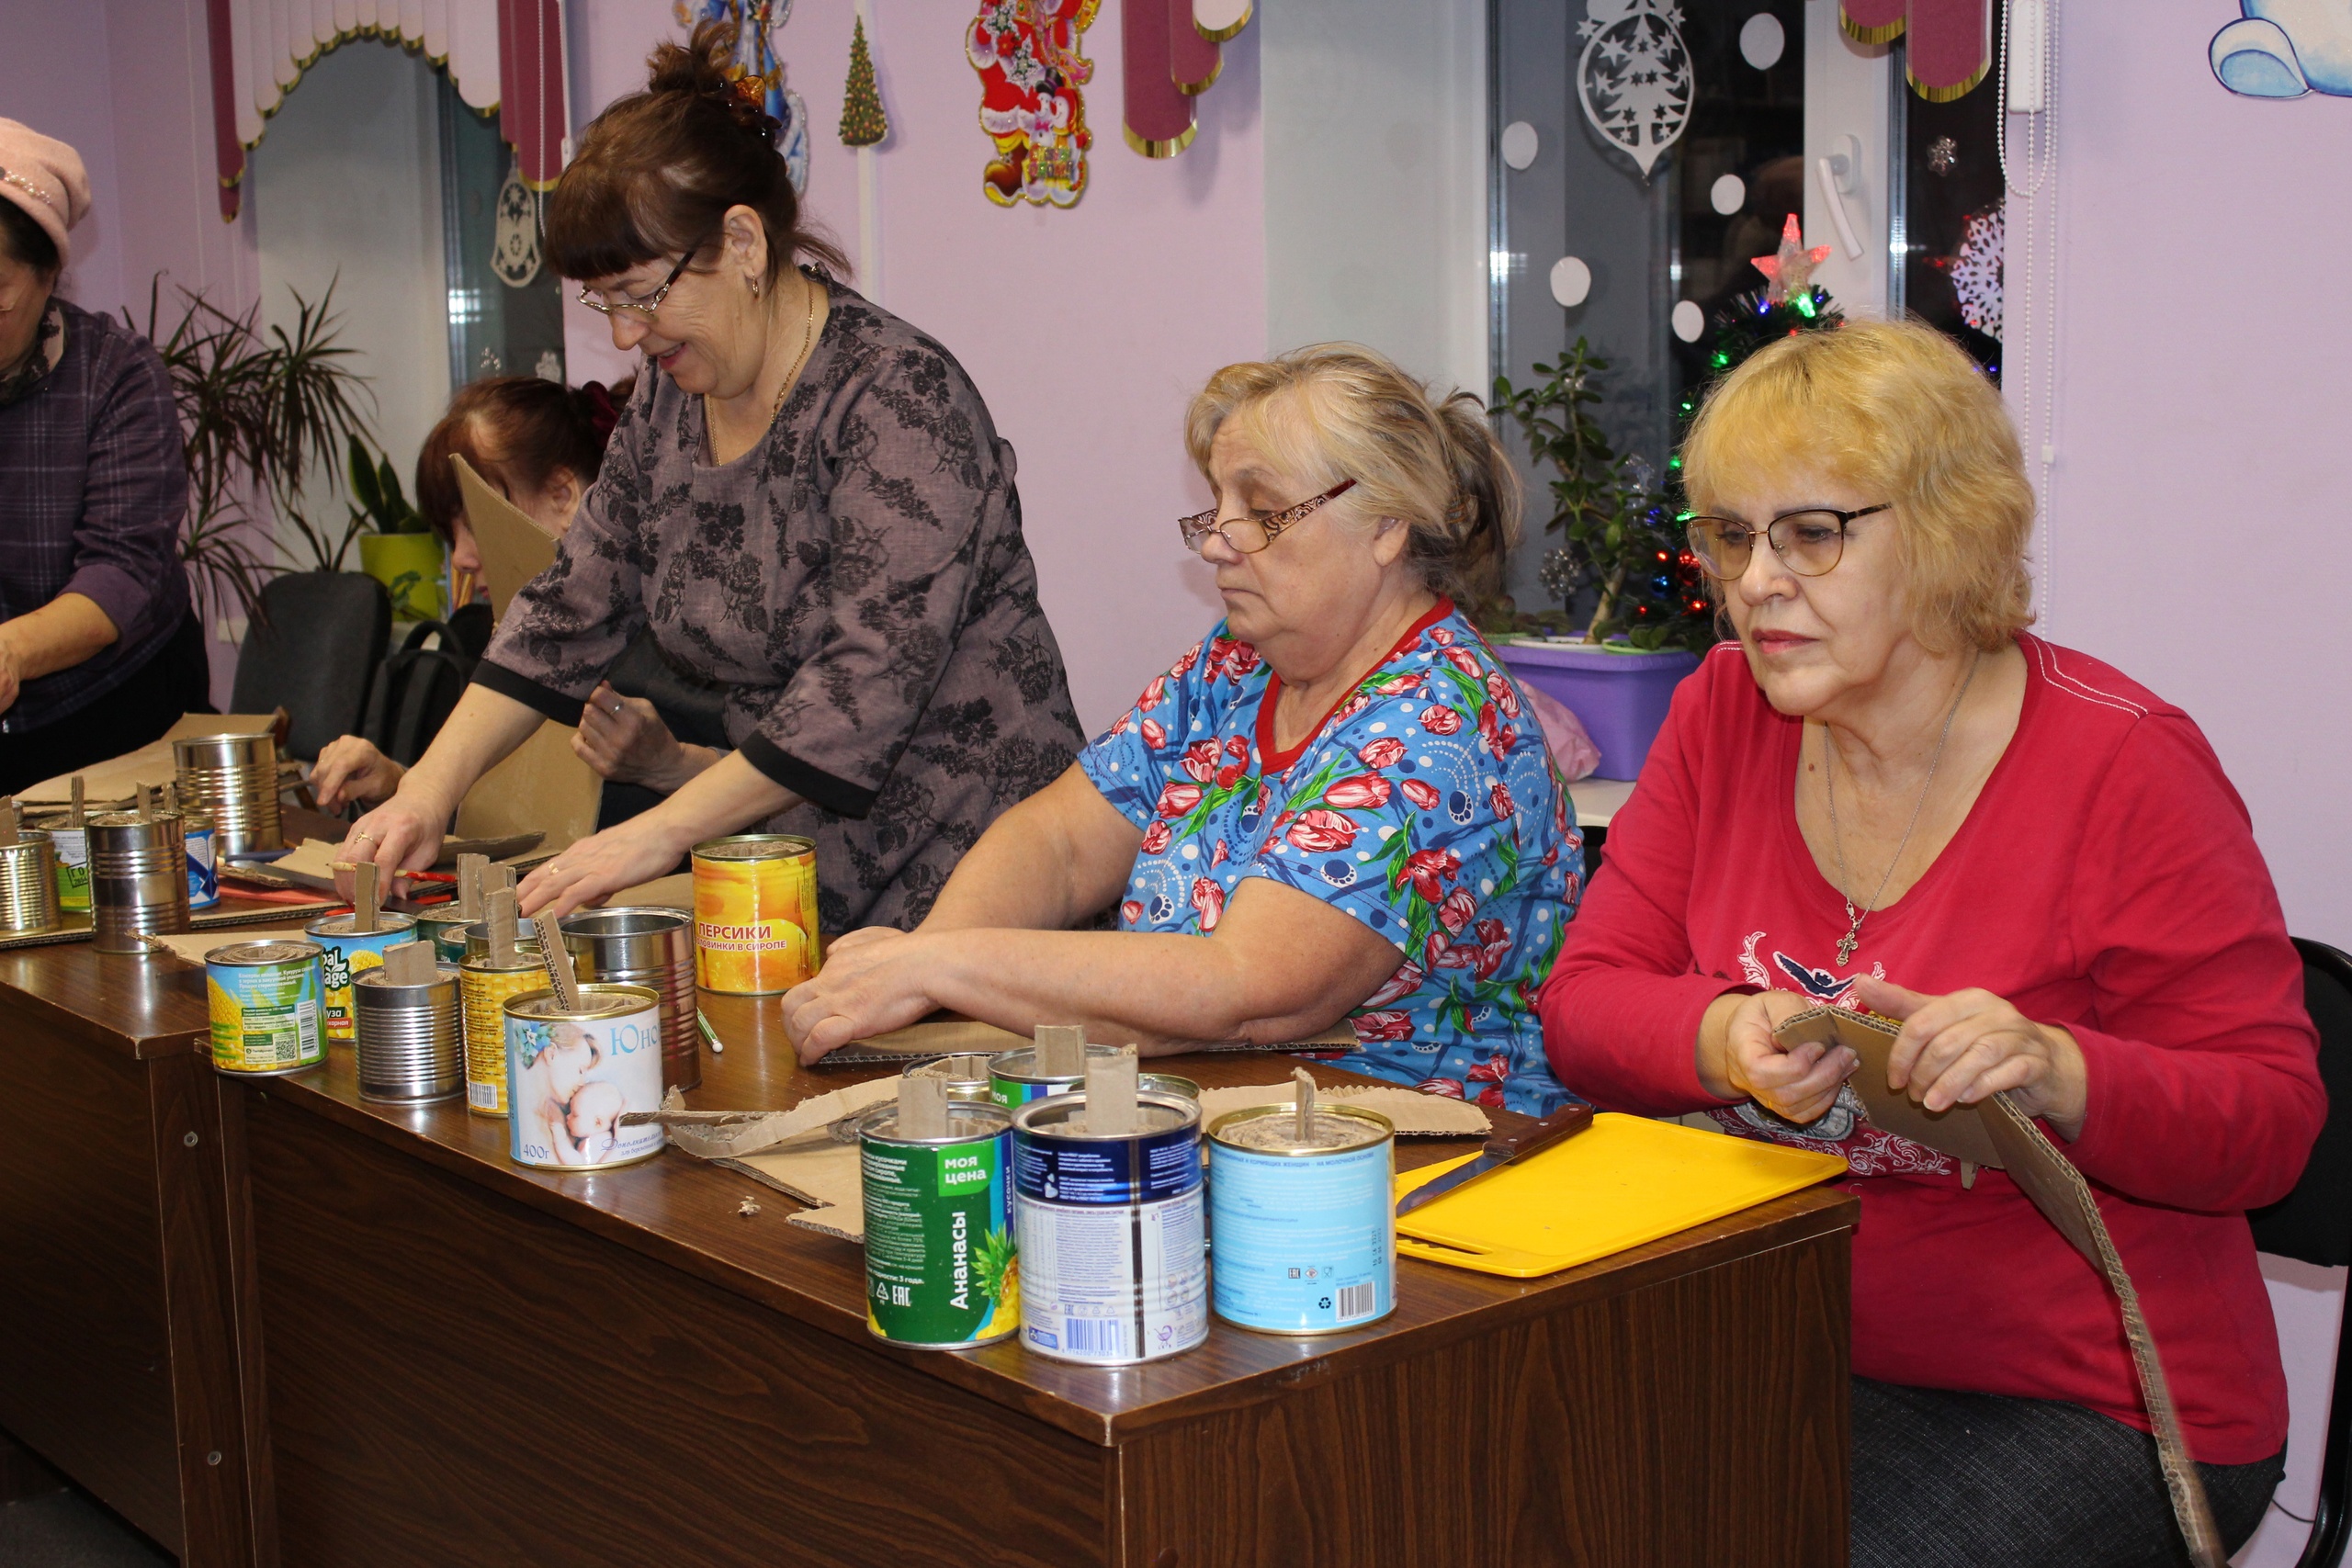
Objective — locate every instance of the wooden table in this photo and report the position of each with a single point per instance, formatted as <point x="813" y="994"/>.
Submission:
<point x="469" y="1361"/>
<point x="118" y="1316"/>
<point x="406" y="1349"/>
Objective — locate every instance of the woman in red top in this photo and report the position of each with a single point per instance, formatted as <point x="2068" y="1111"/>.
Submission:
<point x="1886" y="795"/>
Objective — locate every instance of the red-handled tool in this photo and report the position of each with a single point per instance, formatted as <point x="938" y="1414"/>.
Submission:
<point x="1500" y="1150"/>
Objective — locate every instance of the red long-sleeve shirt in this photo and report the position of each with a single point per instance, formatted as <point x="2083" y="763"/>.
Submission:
<point x="2107" y="880"/>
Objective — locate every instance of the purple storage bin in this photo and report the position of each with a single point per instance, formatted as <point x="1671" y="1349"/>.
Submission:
<point x="1621" y="697"/>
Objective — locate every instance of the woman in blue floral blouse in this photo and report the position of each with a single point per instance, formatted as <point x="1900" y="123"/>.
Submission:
<point x="1336" y="806"/>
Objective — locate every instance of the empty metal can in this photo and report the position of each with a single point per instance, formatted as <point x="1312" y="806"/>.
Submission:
<point x="755" y="913"/>
<point x="1305" y="1228"/>
<point x="73" y="847"/>
<point x="1015" y="1078"/>
<point x="484" y="990"/>
<point x="651" y="946"/>
<point x="263" y="998"/>
<point x="233" y="778"/>
<point x="966" y="1074"/>
<point x="409" y="1041"/>
<point x="28" y="883"/>
<point x="138" y="878"/>
<point x="203" y="862"/>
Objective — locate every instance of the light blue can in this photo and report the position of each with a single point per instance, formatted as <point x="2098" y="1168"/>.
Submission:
<point x="1305" y="1230"/>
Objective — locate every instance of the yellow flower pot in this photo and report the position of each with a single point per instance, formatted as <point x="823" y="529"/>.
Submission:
<point x="409" y="566"/>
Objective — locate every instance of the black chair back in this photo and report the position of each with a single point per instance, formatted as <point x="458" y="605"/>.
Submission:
<point x="2314" y="1224"/>
<point x="313" y="651"/>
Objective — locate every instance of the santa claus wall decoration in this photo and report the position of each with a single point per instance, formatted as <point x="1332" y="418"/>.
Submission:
<point x="1031" y="99"/>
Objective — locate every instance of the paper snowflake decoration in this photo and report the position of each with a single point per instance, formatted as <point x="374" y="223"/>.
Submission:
<point x="1976" y="270"/>
<point x="1633" y="78"/>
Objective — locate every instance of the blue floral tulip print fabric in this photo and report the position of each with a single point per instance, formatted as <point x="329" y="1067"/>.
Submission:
<point x="1425" y="806"/>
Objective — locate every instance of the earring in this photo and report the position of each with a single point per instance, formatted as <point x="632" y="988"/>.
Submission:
<point x="755" y="288"/>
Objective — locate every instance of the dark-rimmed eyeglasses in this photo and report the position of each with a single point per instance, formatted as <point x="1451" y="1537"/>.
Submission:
<point x="644" y="308"/>
<point x="1809" y="541"/>
<point x="1250" y="534"/>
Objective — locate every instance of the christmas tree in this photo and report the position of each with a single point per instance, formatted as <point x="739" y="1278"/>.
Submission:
<point x="1619" y="535"/>
<point x="862" y="121"/>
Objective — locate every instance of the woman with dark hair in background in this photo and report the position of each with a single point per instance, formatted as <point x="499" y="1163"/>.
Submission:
<point x="806" y="501"/>
<point x="100" y="651"/>
<point x="650" y="725"/>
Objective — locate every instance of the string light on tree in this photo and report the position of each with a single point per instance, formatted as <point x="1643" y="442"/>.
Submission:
<point x="864" y="121"/>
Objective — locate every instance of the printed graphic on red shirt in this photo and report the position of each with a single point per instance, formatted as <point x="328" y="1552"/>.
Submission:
<point x="1840" y="1130"/>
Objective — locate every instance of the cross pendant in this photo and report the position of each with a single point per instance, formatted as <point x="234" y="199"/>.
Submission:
<point x="1846" y="949"/>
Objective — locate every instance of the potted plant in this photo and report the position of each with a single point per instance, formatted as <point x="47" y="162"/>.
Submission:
<point x="256" y="411"/>
<point x="1618" y="538"/>
<point x="402" y="552"/>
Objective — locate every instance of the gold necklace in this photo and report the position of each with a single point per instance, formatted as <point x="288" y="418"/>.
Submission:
<point x="807" y="342"/>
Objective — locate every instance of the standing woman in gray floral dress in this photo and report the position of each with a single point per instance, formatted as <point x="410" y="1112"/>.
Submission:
<point x="806" y="501"/>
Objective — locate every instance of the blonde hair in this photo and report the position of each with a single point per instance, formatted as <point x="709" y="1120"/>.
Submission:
<point x="1897" y="410"/>
<point x="1339" y="411"/>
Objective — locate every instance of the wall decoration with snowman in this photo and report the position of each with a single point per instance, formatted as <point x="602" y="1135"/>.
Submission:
<point x="2284" y="49"/>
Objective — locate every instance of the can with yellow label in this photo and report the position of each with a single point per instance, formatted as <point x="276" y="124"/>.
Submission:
<point x="755" y="914"/>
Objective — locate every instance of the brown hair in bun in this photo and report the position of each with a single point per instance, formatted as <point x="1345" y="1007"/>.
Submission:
<point x="658" y="170"/>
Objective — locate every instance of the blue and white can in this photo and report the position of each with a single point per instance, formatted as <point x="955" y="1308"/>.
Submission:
<point x="203" y="862"/>
<point x="1305" y="1230"/>
<point x="1112" y="1266"/>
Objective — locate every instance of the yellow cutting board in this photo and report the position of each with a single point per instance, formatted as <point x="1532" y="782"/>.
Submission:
<point x="1622" y="1182"/>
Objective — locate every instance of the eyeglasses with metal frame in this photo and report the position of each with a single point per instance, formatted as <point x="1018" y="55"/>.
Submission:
<point x="645" y="307"/>
<point x="1247" y="536"/>
<point x="1810" y="542"/>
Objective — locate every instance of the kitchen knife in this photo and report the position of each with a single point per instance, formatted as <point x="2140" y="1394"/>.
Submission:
<point x="1500" y="1150"/>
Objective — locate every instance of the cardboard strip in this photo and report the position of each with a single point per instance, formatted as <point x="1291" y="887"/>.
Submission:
<point x="1996" y="1133"/>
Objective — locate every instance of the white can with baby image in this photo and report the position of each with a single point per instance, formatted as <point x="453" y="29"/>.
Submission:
<point x="572" y="1074"/>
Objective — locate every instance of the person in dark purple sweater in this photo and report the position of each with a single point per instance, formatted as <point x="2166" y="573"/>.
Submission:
<point x="100" y="653"/>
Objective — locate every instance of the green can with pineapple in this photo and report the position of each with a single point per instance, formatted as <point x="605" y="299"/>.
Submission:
<point x="939" y="1268"/>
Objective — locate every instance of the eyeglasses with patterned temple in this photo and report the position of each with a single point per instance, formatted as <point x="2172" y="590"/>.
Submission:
<point x="642" y="309"/>
<point x="1250" y="534"/>
<point x="1810" y="541"/>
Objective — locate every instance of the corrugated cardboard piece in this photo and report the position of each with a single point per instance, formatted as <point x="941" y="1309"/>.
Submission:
<point x="514" y="547"/>
<point x="944" y="1034"/>
<point x="787" y="1149"/>
<point x="1996" y="1133"/>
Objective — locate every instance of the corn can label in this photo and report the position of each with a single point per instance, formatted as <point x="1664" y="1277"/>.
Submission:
<point x="265" y="1016"/>
<point x="570" y="1081"/>
<point x="72" y="846"/>
<point x="755" y="915"/>
<point x="483" y="995"/>
<point x="941" y="1267"/>
<point x="347" y="956"/>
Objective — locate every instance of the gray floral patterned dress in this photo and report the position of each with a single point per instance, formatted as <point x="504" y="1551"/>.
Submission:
<point x="857" y="580"/>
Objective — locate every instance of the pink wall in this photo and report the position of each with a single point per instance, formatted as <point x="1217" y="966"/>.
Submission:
<point x="1087" y="329"/>
<point x="2205" y="341"/>
<point x="2205" y="336"/>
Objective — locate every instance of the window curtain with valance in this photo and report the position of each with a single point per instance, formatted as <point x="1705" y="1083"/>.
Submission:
<point x="505" y="55"/>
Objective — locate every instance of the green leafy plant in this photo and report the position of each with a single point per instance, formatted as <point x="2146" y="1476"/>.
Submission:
<point x="383" y="507"/>
<point x="257" y="411"/>
<point x="1618" y="533"/>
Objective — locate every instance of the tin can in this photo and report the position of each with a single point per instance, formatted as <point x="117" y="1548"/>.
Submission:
<point x="349" y="951"/>
<point x="266" y="1003"/>
<point x="1014" y="1080"/>
<point x="939" y="1266"/>
<point x="409" y="1046"/>
<point x="570" y="1076"/>
<point x="1113" y="1268"/>
<point x="28" y="883"/>
<point x="1305" y="1236"/>
<point x="484" y="990"/>
<point x="646" y="946"/>
<point x="203" y="864"/>
<point x="966" y="1074"/>
<point x="755" y="914"/>
<point x="138" y="879"/>
<point x="447" y="935"/>
<point x="72" y="846"/>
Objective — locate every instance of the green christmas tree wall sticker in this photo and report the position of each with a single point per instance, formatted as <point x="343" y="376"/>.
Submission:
<point x="862" y="121"/>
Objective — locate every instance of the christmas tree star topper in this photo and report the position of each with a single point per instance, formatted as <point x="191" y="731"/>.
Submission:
<point x="1790" y="269"/>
